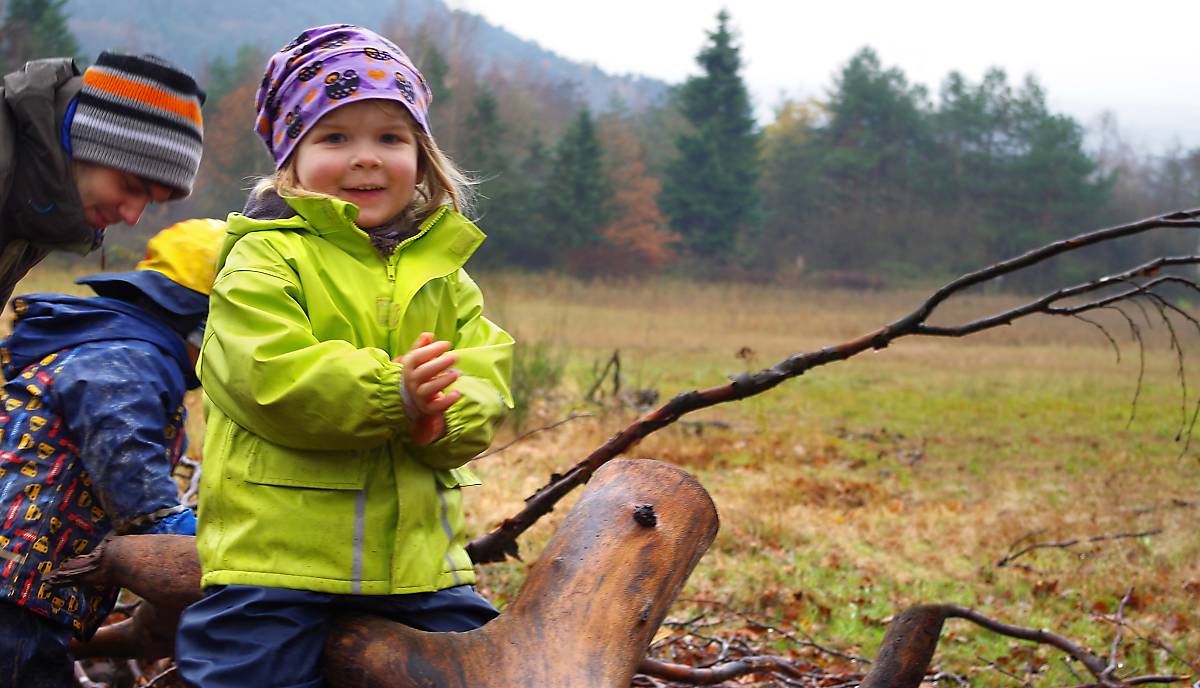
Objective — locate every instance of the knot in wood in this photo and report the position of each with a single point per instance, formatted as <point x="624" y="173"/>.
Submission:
<point x="645" y="516"/>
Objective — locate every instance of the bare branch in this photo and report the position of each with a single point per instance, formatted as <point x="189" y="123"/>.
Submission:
<point x="1111" y="669"/>
<point x="908" y="646"/>
<point x="1104" y="331"/>
<point x="529" y="433"/>
<point x="1136" y="333"/>
<point x="682" y="673"/>
<point x="1008" y="558"/>
<point x="501" y="542"/>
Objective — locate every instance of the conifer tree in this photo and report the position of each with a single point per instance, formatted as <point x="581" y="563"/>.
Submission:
<point x="710" y="187"/>
<point x="578" y="193"/>
<point x="34" y="29"/>
<point x="518" y="232"/>
<point x="483" y="148"/>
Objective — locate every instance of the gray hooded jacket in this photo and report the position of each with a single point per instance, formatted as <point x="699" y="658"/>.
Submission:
<point x="40" y="208"/>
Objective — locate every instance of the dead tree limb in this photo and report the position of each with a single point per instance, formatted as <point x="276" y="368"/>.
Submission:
<point x="912" y="637"/>
<point x="707" y="676"/>
<point x="501" y="542"/>
<point x="1066" y="544"/>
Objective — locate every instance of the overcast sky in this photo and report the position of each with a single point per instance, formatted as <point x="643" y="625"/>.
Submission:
<point x="1138" y="58"/>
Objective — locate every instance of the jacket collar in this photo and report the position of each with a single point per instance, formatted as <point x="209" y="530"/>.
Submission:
<point x="445" y="233"/>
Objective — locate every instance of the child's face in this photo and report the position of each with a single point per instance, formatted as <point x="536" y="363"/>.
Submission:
<point x="365" y="153"/>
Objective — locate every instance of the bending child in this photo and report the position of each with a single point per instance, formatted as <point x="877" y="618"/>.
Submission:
<point x="92" y="418"/>
<point x="79" y="152"/>
<point x="348" y="375"/>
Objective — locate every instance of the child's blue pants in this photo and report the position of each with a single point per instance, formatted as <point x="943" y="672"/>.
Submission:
<point x="240" y="635"/>
<point x="33" y="650"/>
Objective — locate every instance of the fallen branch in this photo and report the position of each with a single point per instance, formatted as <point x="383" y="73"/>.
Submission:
<point x="501" y="542"/>
<point x="726" y="671"/>
<point x="1008" y="558"/>
<point x="912" y="636"/>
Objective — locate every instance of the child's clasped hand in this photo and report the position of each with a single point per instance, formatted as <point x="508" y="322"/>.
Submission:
<point x="425" y="374"/>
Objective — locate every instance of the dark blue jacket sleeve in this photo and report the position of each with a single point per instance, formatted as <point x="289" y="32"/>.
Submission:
<point x="117" y="400"/>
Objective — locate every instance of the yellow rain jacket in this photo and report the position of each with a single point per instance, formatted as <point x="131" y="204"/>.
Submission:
<point x="310" y="480"/>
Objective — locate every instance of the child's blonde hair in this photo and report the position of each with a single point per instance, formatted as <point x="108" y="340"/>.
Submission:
<point x="441" y="183"/>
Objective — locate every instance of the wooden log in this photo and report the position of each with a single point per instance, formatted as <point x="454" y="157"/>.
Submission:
<point x="587" y="611"/>
<point x="584" y="617"/>
<point x="907" y="648"/>
<point x="161" y="569"/>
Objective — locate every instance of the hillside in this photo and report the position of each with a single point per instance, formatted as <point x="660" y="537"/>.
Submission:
<point x="193" y="32"/>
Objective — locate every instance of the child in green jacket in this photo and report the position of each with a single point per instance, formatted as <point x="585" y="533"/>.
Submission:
<point x="348" y="373"/>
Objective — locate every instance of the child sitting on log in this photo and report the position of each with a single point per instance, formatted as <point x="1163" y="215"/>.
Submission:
<point x="349" y="375"/>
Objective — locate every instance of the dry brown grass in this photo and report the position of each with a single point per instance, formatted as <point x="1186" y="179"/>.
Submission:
<point x="829" y="524"/>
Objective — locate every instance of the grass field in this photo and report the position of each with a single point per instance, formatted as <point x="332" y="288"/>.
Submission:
<point x="896" y="478"/>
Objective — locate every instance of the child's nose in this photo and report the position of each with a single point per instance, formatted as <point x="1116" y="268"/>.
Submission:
<point x="366" y="157"/>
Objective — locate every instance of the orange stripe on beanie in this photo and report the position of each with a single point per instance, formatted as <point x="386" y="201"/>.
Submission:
<point x="144" y="93"/>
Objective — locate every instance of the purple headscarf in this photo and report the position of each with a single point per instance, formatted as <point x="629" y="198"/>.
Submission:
<point x="326" y="67"/>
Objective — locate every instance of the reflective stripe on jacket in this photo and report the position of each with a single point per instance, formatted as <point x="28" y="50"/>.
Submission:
<point x="310" y="481"/>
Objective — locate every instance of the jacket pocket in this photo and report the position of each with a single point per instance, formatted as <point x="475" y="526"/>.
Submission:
<point x="325" y="470"/>
<point x="457" y="477"/>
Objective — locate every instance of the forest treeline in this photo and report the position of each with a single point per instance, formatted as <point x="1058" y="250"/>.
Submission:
<point x="880" y="181"/>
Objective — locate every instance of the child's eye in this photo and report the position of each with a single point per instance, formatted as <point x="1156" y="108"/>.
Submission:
<point x="393" y="138"/>
<point x="334" y="137"/>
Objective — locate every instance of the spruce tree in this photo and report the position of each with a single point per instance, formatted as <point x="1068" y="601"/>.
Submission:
<point x="34" y="29"/>
<point x="710" y="188"/>
<point x="578" y="193"/>
<point x="483" y="149"/>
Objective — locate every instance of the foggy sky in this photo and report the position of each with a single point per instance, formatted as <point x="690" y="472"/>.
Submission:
<point x="1135" y="59"/>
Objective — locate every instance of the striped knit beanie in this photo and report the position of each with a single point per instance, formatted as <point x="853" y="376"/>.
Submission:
<point x="140" y="114"/>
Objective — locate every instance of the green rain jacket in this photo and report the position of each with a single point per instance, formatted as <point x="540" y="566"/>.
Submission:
<point x="310" y="480"/>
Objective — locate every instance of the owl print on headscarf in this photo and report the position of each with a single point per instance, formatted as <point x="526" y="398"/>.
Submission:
<point x="309" y="71"/>
<point x="295" y="123"/>
<point x="339" y="85"/>
<point x="406" y="88"/>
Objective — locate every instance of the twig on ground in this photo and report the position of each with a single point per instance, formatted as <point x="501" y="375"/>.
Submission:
<point x="808" y="641"/>
<point x="613" y="363"/>
<point x="1008" y="558"/>
<point x="1175" y="503"/>
<point x="725" y="671"/>
<point x="1001" y="670"/>
<point x="1114" y="649"/>
<point x="912" y="637"/>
